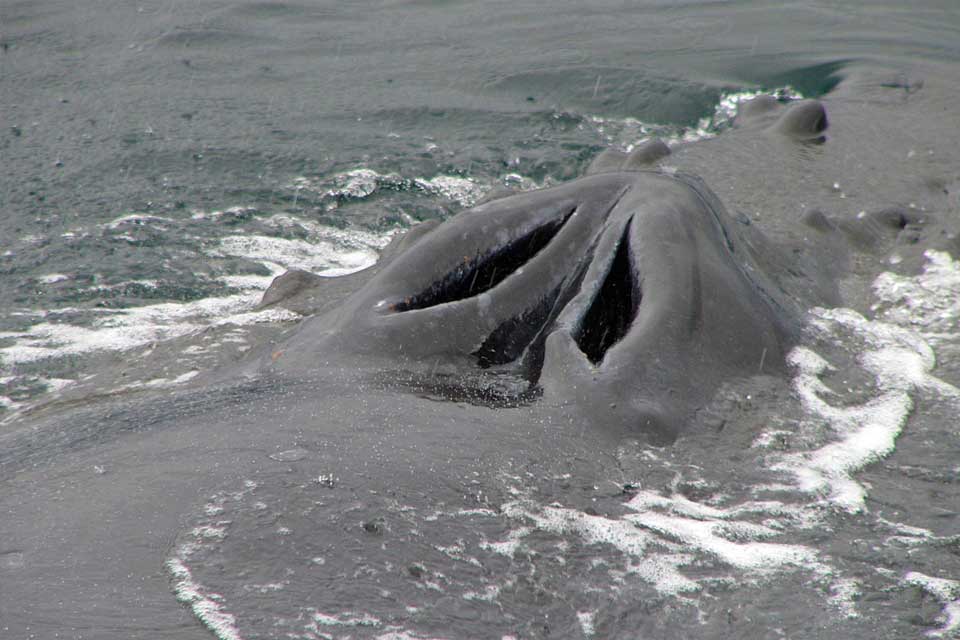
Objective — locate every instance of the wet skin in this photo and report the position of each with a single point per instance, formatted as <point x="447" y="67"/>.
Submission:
<point x="629" y="296"/>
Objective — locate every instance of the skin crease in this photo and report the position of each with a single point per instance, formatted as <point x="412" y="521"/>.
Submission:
<point x="393" y="402"/>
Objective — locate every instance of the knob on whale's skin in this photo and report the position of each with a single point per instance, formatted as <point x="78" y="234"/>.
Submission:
<point x="803" y="120"/>
<point x="644" y="156"/>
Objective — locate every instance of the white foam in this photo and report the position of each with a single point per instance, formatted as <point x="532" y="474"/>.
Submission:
<point x="461" y="190"/>
<point x="209" y="532"/>
<point x="52" y="278"/>
<point x="399" y="634"/>
<point x="680" y="505"/>
<point x="947" y="593"/>
<point x="844" y="594"/>
<point x="147" y="284"/>
<point x="122" y="330"/>
<point x="57" y="384"/>
<point x="329" y="251"/>
<point x="906" y="531"/>
<point x="523" y="183"/>
<point x="586" y="620"/>
<point x="252" y="281"/>
<point x="900" y="361"/>
<point x="628" y="133"/>
<point x="137" y="219"/>
<point x="237" y="211"/>
<point x="928" y="302"/>
<point x="357" y="183"/>
<point x="712" y="537"/>
<point x="489" y="594"/>
<point x="334" y="252"/>
<point x="345" y="619"/>
<point x="660" y="570"/>
<point x="266" y="588"/>
<point x="511" y="545"/>
<point x="362" y="183"/>
<point x="355" y="238"/>
<point x="204" y="605"/>
<point x="320" y="257"/>
<point x="172" y="382"/>
<point x="487" y="513"/>
<point x="257" y="317"/>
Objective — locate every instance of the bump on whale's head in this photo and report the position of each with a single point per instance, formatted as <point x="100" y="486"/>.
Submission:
<point x="802" y="120"/>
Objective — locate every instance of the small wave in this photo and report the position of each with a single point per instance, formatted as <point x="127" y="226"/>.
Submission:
<point x="627" y="133"/>
<point x="319" y="257"/>
<point x="137" y="219"/>
<point x="53" y="278"/>
<point x="204" y="606"/>
<point x="361" y="183"/>
<point x="68" y="333"/>
<point x="901" y="363"/>
<point x="947" y="593"/>
<point x="122" y="330"/>
<point x="928" y="303"/>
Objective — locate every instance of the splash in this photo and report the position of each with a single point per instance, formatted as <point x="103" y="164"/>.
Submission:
<point x="627" y="133"/>
<point x="947" y="593"/>
<point x="362" y="183"/>
<point x="928" y="302"/>
<point x="57" y="335"/>
<point x="901" y="364"/>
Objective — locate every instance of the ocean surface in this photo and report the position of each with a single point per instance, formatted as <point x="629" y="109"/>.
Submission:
<point x="162" y="162"/>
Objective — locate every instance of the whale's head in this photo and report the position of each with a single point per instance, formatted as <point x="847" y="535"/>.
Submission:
<point x="629" y="297"/>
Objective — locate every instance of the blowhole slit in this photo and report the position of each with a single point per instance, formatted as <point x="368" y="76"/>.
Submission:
<point x="480" y="273"/>
<point x="511" y="338"/>
<point x="613" y="308"/>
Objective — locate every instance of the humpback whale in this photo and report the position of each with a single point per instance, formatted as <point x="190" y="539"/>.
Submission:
<point x="365" y="460"/>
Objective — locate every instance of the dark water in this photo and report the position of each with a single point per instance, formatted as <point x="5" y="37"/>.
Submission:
<point x="161" y="162"/>
<point x="166" y="108"/>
